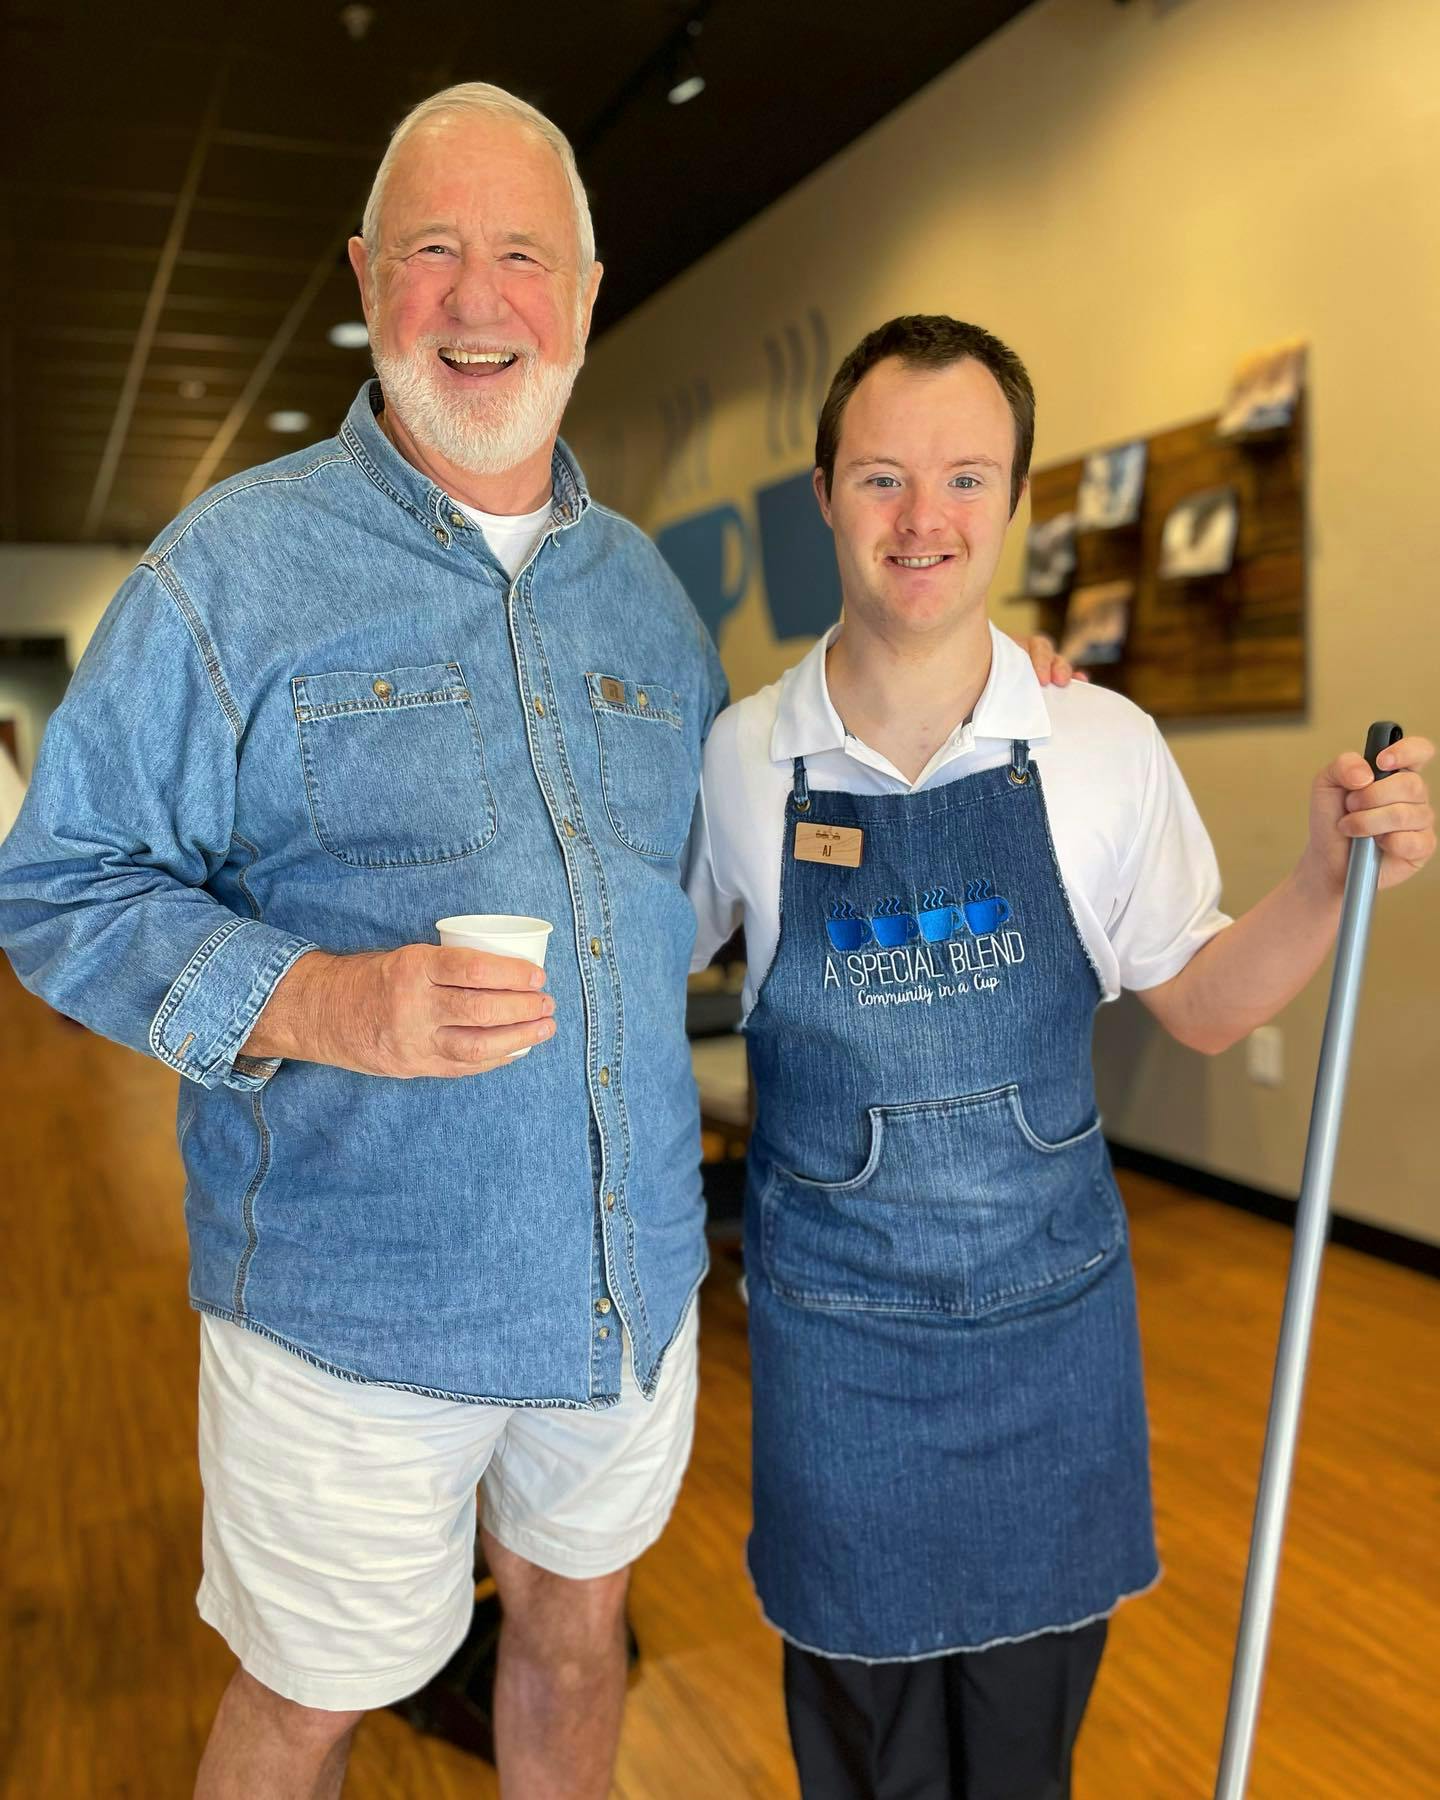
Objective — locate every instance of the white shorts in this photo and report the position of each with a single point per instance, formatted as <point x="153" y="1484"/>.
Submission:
<point x="339" y="1531"/>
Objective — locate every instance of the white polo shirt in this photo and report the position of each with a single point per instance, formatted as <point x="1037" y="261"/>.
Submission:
<point x="1135" y="858"/>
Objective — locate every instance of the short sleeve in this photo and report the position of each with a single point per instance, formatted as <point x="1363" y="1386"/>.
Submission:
<point x="1167" y="896"/>
<point x="717" y="906"/>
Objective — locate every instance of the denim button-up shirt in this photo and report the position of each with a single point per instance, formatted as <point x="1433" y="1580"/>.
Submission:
<point x="319" y="714"/>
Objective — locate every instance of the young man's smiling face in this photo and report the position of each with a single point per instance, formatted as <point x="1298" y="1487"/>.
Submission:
<point x="920" y="498"/>
<point x="476" y="298"/>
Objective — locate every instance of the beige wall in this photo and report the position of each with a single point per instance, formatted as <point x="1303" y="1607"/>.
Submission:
<point x="1134" y="197"/>
<point x="51" y="590"/>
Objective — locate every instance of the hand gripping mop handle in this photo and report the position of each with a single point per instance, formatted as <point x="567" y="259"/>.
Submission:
<point x="1312" y="1221"/>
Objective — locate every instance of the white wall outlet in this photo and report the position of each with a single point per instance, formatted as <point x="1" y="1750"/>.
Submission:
<point x="1265" y="1055"/>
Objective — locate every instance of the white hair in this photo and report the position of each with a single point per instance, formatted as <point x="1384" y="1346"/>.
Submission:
<point x="486" y="101"/>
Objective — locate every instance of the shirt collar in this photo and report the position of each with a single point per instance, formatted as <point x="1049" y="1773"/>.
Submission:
<point x="431" y="505"/>
<point x="1011" y="706"/>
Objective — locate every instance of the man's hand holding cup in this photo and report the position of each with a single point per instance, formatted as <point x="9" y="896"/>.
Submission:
<point x="457" y="1008"/>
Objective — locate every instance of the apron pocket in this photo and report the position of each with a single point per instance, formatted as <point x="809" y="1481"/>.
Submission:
<point x="960" y="1209"/>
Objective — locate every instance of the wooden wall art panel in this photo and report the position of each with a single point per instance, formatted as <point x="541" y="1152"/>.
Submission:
<point x="1213" y="646"/>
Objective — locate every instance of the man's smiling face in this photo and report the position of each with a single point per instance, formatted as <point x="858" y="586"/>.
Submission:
<point x="476" y="300"/>
<point x="920" y="498"/>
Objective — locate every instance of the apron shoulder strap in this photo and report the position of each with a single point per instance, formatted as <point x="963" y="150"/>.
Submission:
<point x="1019" y="762"/>
<point x="802" y="786"/>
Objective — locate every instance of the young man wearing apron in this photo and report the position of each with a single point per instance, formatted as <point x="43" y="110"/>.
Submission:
<point x="942" y="871"/>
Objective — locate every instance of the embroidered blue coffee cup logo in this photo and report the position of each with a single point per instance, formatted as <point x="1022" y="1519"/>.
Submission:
<point x="894" y="923"/>
<point x="848" y="929"/>
<point x="939" y="917"/>
<point x="984" y="909"/>
<point x="931" y="917"/>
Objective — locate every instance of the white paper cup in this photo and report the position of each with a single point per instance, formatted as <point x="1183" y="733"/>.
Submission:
<point x="503" y="934"/>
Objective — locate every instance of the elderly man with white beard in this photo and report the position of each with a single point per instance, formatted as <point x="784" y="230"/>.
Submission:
<point x="410" y="672"/>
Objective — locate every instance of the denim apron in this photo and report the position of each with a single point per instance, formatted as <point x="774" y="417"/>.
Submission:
<point x="950" y="1444"/>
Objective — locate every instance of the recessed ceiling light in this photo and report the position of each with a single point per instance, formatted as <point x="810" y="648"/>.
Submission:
<point x="357" y="21"/>
<point x="288" y="421"/>
<point x="191" y="390"/>
<point x="350" y="335"/>
<point x="686" y="81"/>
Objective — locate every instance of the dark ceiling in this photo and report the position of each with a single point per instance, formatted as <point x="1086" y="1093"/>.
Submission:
<point x="180" y="177"/>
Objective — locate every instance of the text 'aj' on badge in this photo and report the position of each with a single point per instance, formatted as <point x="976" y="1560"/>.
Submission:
<point x="840" y="845"/>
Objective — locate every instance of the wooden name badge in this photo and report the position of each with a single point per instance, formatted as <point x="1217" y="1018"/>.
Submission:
<point x="840" y="844"/>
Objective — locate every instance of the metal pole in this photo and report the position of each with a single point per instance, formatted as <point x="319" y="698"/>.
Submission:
<point x="1312" y="1221"/>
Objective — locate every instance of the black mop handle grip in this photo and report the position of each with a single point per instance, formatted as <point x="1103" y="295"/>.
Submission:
<point x="1381" y="736"/>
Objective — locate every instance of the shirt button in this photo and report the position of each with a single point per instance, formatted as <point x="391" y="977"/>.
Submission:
<point x="604" y="1078"/>
<point x="539" y="707"/>
<point x="442" y="537"/>
<point x="603" y="1332"/>
<point x="457" y="518"/>
<point x="642" y="698"/>
<point x="609" y="1203"/>
<point x="595" y="946"/>
<point x="381" y="688"/>
<point x="602" y="1307"/>
<point x="569" y="827"/>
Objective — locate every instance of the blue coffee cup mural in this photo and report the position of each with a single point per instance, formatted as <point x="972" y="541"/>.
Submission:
<point x="894" y="923"/>
<point x="797" y="558"/>
<point x="848" y="929"/>
<point x="984" y="909"/>
<point x="715" y="551"/>
<point x="711" y="553"/>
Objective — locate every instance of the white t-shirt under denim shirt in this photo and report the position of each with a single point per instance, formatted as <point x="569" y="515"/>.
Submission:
<point x="511" y="536"/>
<point x="1135" y="858"/>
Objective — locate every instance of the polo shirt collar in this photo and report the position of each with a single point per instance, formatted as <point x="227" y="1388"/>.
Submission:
<point x="1012" y="704"/>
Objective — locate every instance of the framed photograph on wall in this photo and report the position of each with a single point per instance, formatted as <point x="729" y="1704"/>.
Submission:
<point x="1050" y="557"/>
<point x="1111" y="488"/>
<point x="1198" y="537"/>
<point x="1097" y="622"/>
<point x="1265" y="392"/>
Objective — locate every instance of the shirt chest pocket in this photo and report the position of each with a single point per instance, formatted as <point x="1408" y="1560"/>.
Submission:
<point x="649" y="767"/>
<point x="394" y="765"/>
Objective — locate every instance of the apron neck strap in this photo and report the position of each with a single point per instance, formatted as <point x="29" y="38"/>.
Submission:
<point x="1019" y="773"/>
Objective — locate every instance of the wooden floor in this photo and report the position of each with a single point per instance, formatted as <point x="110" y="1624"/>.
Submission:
<point x="108" y="1679"/>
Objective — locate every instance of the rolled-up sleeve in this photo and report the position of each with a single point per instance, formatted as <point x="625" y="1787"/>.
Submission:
<point x="104" y="910"/>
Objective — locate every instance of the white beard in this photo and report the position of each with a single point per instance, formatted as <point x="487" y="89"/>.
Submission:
<point x="483" y="433"/>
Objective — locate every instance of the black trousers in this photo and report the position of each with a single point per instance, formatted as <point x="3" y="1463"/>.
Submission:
<point x="995" y="1724"/>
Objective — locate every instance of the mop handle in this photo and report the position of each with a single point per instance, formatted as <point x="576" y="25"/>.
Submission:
<point x="1312" y="1221"/>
